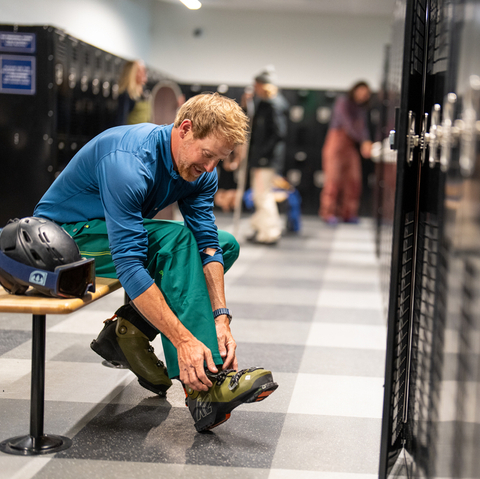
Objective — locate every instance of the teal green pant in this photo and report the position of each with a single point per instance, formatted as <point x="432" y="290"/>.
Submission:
<point x="174" y="263"/>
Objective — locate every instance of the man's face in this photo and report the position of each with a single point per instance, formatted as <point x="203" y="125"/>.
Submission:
<point x="196" y="156"/>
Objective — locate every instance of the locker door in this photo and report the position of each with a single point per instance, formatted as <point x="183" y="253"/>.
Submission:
<point x="456" y="434"/>
<point x="405" y="93"/>
<point x="427" y="325"/>
<point x="433" y="340"/>
<point x="27" y="121"/>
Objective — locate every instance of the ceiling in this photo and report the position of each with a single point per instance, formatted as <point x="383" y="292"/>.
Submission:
<point x="344" y="7"/>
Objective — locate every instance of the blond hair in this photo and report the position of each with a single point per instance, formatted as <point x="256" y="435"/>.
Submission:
<point x="214" y="114"/>
<point x="128" y="80"/>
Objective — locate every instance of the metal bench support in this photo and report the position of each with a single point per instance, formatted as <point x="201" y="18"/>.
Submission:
<point x="36" y="442"/>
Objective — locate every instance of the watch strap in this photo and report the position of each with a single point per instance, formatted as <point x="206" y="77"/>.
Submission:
<point x="220" y="311"/>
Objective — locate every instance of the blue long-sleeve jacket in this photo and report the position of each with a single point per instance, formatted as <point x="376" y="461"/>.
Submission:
<point x="124" y="175"/>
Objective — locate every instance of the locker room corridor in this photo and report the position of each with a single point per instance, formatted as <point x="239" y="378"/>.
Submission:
<point x="310" y="309"/>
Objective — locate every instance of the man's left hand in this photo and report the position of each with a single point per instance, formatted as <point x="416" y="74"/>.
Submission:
<point x="226" y="343"/>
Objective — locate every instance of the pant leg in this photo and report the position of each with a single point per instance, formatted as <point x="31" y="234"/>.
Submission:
<point x="175" y="265"/>
<point x="352" y="185"/>
<point x="174" y="262"/>
<point x="331" y="164"/>
<point x="266" y="219"/>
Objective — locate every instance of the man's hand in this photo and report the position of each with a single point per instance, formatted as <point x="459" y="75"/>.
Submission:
<point x="226" y="343"/>
<point x="192" y="354"/>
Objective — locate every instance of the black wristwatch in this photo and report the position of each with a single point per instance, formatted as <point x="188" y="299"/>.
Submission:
<point x="220" y="311"/>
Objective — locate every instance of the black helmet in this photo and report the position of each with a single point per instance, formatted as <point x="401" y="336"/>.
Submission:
<point x="37" y="252"/>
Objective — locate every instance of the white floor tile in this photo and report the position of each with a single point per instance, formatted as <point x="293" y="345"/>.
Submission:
<point x="351" y="275"/>
<point x="82" y="322"/>
<point x="350" y="258"/>
<point x="350" y="396"/>
<point x="74" y="382"/>
<point x="353" y="246"/>
<point x="12" y="370"/>
<point x="356" y="336"/>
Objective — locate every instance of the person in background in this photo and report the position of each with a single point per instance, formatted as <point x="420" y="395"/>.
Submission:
<point x="228" y="192"/>
<point x="266" y="155"/>
<point x="133" y="102"/>
<point x="347" y="134"/>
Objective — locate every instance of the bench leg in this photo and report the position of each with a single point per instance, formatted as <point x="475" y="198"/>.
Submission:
<point x="36" y="442"/>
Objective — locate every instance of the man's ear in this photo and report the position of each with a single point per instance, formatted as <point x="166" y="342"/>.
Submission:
<point x="185" y="127"/>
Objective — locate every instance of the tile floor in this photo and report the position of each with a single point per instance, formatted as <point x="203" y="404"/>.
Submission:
<point x="309" y="309"/>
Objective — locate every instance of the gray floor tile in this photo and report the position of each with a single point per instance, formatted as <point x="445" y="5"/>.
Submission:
<point x="23" y="322"/>
<point x="349" y="315"/>
<point x="61" y="346"/>
<point x="277" y="312"/>
<point x="276" y="282"/>
<point x="270" y="331"/>
<point x="329" y="443"/>
<point x="351" y="286"/>
<point x="281" y="270"/>
<point x="292" y="296"/>
<point x="160" y="435"/>
<point x="11" y="339"/>
<point x="285" y="358"/>
<point x="84" y="469"/>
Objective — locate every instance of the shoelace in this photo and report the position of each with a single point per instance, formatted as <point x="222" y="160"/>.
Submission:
<point x="222" y="375"/>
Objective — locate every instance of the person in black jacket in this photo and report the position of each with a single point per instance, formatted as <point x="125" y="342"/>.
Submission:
<point x="267" y="156"/>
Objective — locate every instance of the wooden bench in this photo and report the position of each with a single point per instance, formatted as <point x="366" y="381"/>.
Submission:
<point x="39" y="306"/>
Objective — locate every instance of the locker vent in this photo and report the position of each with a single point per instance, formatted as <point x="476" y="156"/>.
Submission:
<point x="422" y="385"/>
<point x="418" y="42"/>
<point x="402" y="329"/>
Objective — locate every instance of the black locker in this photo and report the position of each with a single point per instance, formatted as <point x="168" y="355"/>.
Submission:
<point x="28" y="124"/>
<point x="74" y="98"/>
<point x="431" y="421"/>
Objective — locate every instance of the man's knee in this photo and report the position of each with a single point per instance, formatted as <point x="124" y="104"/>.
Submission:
<point x="230" y="247"/>
<point x="168" y="234"/>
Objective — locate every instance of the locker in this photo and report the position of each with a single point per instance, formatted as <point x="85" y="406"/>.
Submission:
<point x="67" y="95"/>
<point x="431" y="419"/>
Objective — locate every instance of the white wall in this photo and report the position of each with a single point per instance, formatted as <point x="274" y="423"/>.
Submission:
<point x="121" y="27"/>
<point x="308" y="50"/>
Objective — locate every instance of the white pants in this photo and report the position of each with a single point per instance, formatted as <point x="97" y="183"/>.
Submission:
<point x="266" y="219"/>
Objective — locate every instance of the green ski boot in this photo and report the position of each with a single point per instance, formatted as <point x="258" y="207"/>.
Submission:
<point x="122" y="344"/>
<point x="211" y="408"/>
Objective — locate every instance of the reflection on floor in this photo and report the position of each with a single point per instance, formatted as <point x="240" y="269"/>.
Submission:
<point x="308" y="308"/>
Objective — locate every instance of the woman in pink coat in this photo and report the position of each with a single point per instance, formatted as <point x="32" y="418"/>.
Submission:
<point x="341" y="162"/>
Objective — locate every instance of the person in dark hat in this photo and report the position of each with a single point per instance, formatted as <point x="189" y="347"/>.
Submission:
<point x="267" y="156"/>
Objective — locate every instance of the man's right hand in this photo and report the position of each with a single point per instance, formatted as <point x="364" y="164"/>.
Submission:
<point x="192" y="355"/>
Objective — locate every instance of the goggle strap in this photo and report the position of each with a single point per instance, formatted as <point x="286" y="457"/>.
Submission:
<point x="27" y="274"/>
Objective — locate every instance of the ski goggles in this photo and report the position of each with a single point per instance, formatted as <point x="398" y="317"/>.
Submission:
<point x="66" y="281"/>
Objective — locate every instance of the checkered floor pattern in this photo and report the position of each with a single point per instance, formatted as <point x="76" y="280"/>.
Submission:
<point x="309" y="309"/>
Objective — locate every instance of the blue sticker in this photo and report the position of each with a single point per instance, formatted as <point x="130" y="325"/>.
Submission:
<point x="17" y="74"/>
<point x="38" y="277"/>
<point x="17" y="42"/>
